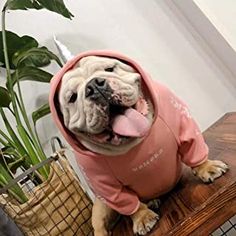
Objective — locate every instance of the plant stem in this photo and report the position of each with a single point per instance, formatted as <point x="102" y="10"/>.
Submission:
<point x="24" y="114"/>
<point x="5" y="44"/>
<point x="37" y="135"/>
<point x="7" y="138"/>
<point x="3" y="142"/>
<point x="34" y="157"/>
<point x="4" y="39"/>
<point x="33" y="135"/>
<point x="22" y="134"/>
<point x="14" y="137"/>
<point x="15" y="190"/>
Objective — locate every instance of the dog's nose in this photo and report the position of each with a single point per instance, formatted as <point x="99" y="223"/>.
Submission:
<point x="93" y="85"/>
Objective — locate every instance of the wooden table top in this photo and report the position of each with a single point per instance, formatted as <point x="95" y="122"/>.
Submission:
<point x="194" y="208"/>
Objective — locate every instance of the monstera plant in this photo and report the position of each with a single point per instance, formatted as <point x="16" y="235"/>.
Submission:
<point x="23" y="58"/>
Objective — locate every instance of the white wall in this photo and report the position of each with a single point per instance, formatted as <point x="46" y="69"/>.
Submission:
<point x="222" y="15"/>
<point x="149" y="32"/>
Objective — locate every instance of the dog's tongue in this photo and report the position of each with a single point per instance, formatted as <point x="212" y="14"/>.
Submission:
<point x="131" y="124"/>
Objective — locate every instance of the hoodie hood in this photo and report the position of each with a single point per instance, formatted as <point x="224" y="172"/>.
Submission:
<point x="55" y="87"/>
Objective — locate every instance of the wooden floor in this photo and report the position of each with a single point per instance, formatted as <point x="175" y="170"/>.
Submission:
<point x="194" y="208"/>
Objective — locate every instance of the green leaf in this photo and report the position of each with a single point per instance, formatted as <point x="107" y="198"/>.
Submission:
<point x="57" y="6"/>
<point x="15" y="45"/>
<point x="14" y="138"/>
<point x="22" y="4"/>
<point x="35" y="159"/>
<point x="36" y="60"/>
<point x="5" y="98"/>
<point x="32" y="74"/>
<point x="41" y="112"/>
<point x="35" y="56"/>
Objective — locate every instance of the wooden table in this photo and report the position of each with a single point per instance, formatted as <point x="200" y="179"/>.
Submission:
<point x="194" y="208"/>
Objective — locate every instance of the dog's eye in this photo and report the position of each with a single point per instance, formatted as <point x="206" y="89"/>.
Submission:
<point x="110" y="69"/>
<point x="73" y="98"/>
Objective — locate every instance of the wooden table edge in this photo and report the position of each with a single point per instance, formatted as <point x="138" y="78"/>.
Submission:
<point x="212" y="205"/>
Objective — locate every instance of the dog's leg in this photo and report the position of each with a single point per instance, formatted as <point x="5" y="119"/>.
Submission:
<point x="210" y="170"/>
<point x="102" y="218"/>
<point x="144" y="220"/>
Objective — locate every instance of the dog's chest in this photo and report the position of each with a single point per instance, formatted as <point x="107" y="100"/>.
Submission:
<point x="152" y="166"/>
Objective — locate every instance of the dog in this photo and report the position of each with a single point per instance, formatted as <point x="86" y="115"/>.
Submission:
<point x="131" y="136"/>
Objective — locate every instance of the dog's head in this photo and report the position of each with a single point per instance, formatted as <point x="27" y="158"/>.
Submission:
<point x="101" y="98"/>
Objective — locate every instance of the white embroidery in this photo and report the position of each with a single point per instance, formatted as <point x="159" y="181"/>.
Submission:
<point x="176" y="104"/>
<point x="149" y="161"/>
<point x="186" y="112"/>
<point x="183" y="110"/>
<point x="197" y="132"/>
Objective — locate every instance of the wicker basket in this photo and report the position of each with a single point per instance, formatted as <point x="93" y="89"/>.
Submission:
<point x="58" y="206"/>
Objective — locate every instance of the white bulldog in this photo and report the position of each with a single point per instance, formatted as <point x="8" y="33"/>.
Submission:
<point x="110" y="111"/>
<point x="99" y="97"/>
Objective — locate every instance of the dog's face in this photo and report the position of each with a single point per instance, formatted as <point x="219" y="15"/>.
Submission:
<point x="95" y="91"/>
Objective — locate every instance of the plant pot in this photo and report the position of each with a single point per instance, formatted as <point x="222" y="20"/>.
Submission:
<point x="58" y="206"/>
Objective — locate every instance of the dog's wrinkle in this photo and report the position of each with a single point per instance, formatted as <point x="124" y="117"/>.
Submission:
<point x="97" y="120"/>
<point x="129" y="91"/>
<point x="97" y="66"/>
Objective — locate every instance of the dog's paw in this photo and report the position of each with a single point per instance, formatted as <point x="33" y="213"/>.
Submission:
<point x="210" y="170"/>
<point x="145" y="222"/>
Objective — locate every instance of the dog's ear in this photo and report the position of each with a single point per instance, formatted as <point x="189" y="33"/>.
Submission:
<point x="62" y="114"/>
<point x="57" y="104"/>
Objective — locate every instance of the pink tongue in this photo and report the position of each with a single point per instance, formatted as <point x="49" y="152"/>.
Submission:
<point x="131" y="124"/>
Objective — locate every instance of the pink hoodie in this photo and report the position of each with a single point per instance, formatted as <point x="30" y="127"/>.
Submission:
<point x="151" y="168"/>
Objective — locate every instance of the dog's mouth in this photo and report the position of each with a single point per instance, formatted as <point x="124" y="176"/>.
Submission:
<point x="125" y="123"/>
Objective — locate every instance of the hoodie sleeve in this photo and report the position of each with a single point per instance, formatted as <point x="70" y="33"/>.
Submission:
<point x="175" y="113"/>
<point x="106" y="187"/>
<point x="193" y="149"/>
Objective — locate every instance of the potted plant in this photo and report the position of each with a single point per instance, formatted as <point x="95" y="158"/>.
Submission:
<point x="39" y="207"/>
